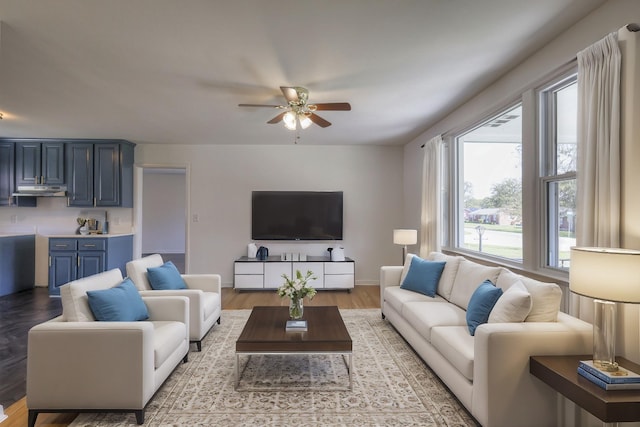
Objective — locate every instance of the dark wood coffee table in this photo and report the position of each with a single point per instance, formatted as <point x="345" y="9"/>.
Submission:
<point x="265" y="334"/>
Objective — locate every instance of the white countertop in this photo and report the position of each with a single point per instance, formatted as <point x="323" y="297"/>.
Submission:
<point x="15" y="234"/>
<point x="85" y="236"/>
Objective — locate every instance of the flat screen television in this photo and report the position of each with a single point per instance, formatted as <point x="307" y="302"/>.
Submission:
<point x="296" y="215"/>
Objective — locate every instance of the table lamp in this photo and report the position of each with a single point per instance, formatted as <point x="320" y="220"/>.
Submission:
<point x="405" y="237"/>
<point x="609" y="275"/>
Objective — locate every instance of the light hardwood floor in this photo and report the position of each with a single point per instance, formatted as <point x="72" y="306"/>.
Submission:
<point x="362" y="296"/>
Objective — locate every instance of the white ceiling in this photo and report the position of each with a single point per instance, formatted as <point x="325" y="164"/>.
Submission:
<point x="173" y="71"/>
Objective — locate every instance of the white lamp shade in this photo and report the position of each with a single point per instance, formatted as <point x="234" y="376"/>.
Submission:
<point x="405" y="237"/>
<point x="610" y="274"/>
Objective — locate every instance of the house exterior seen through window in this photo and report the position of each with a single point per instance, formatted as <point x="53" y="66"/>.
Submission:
<point x="489" y="217"/>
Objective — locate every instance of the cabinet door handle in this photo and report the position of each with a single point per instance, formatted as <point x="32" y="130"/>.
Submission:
<point x="59" y="245"/>
<point x="94" y="202"/>
<point x="49" y="260"/>
<point x="36" y="178"/>
<point x="42" y="179"/>
<point x="78" y="258"/>
<point x="88" y="245"/>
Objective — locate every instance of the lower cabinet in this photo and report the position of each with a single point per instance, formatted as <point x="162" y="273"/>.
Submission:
<point x="75" y="258"/>
<point x="17" y="263"/>
<point x="250" y="273"/>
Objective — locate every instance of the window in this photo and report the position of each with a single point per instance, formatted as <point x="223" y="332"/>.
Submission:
<point x="489" y="177"/>
<point x="558" y="132"/>
<point x="512" y="181"/>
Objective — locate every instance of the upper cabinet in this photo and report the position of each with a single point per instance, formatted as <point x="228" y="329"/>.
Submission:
<point x="39" y="163"/>
<point x="6" y="172"/>
<point x="100" y="173"/>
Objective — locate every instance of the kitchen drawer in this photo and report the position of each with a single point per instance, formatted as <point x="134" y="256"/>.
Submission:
<point x="249" y="267"/>
<point x="63" y="244"/>
<point x="92" y="244"/>
<point x="338" y="281"/>
<point x="338" y="268"/>
<point x="248" y="281"/>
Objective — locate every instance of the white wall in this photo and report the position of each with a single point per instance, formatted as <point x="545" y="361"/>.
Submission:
<point x="222" y="177"/>
<point x="164" y="214"/>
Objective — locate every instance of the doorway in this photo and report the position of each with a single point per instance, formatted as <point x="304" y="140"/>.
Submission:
<point x="161" y="214"/>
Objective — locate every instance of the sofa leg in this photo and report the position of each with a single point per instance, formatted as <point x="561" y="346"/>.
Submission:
<point x="139" y="417"/>
<point x="218" y="320"/>
<point x="32" y="417"/>
<point x="185" y="359"/>
<point x="383" y="316"/>
<point x="199" y="345"/>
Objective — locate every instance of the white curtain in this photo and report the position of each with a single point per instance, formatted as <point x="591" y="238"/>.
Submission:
<point x="599" y="175"/>
<point x="430" y="232"/>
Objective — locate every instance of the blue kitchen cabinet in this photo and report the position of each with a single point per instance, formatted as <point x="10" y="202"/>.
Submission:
<point x="75" y="258"/>
<point x="39" y="163"/>
<point x="17" y="263"/>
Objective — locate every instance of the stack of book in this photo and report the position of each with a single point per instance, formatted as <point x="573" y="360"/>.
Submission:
<point x="622" y="379"/>
<point x="296" y="326"/>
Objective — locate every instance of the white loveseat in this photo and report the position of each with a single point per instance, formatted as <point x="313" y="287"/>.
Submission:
<point x="78" y="364"/>
<point x="488" y="372"/>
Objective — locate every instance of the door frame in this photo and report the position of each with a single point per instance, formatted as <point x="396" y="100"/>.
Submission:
<point x="138" y="179"/>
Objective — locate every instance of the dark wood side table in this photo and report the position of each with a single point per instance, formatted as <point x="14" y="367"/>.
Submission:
<point x="561" y="374"/>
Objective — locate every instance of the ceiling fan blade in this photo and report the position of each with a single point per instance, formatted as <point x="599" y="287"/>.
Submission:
<point x="336" y="106"/>
<point x="319" y="120"/>
<point x="260" y="105"/>
<point x="277" y="118"/>
<point x="290" y="93"/>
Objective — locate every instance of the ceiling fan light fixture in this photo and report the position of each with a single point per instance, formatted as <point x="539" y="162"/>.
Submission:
<point x="289" y="120"/>
<point x="305" y="121"/>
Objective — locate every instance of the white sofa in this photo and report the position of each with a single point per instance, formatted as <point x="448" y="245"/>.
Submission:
<point x="488" y="372"/>
<point x="203" y="290"/>
<point x="78" y="364"/>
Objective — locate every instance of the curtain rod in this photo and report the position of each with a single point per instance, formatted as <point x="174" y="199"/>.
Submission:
<point x="633" y="27"/>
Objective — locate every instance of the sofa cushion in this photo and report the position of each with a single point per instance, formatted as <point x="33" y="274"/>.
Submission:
<point x="73" y="295"/>
<point x="165" y="277"/>
<point x="513" y="306"/>
<point x="122" y="303"/>
<point x="456" y="345"/>
<point x="425" y="316"/>
<point x="406" y="266"/>
<point x="469" y="276"/>
<point x="167" y="337"/>
<point x="545" y="297"/>
<point x="397" y="297"/>
<point x="448" y="274"/>
<point x="423" y="276"/>
<point x="481" y="304"/>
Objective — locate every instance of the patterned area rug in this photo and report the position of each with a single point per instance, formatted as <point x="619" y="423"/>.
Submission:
<point x="391" y="385"/>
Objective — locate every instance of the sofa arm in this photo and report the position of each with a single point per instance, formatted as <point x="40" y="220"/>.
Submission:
<point x="389" y="276"/>
<point x="169" y="308"/>
<point x="204" y="282"/>
<point x="90" y="365"/>
<point x="501" y="367"/>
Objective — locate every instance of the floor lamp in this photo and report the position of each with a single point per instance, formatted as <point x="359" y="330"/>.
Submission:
<point x="405" y="237"/>
<point x="609" y="275"/>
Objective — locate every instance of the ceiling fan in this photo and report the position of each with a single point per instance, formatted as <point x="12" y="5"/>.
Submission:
<point x="299" y="111"/>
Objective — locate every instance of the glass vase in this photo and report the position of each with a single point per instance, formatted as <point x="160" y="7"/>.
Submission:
<point x="296" y="308"/>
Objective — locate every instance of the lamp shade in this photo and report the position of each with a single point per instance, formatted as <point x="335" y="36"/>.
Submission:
<point x="405" y="237"/>
<point x="610" y="274"/>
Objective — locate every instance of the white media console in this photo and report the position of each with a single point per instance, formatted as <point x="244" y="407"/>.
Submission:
<point x="252" y="273"/>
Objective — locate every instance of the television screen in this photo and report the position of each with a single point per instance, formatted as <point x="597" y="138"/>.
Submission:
<point x="296" y="215"/>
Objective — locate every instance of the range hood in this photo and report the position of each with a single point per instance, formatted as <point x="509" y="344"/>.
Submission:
<point x="41" y="190"/>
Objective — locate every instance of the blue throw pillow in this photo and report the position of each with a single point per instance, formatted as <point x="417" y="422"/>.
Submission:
<point x="481" y="304"/>
<point x="121" y="303"/>
<point x="165" y="277"/>
<point x="423" y="276"/>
